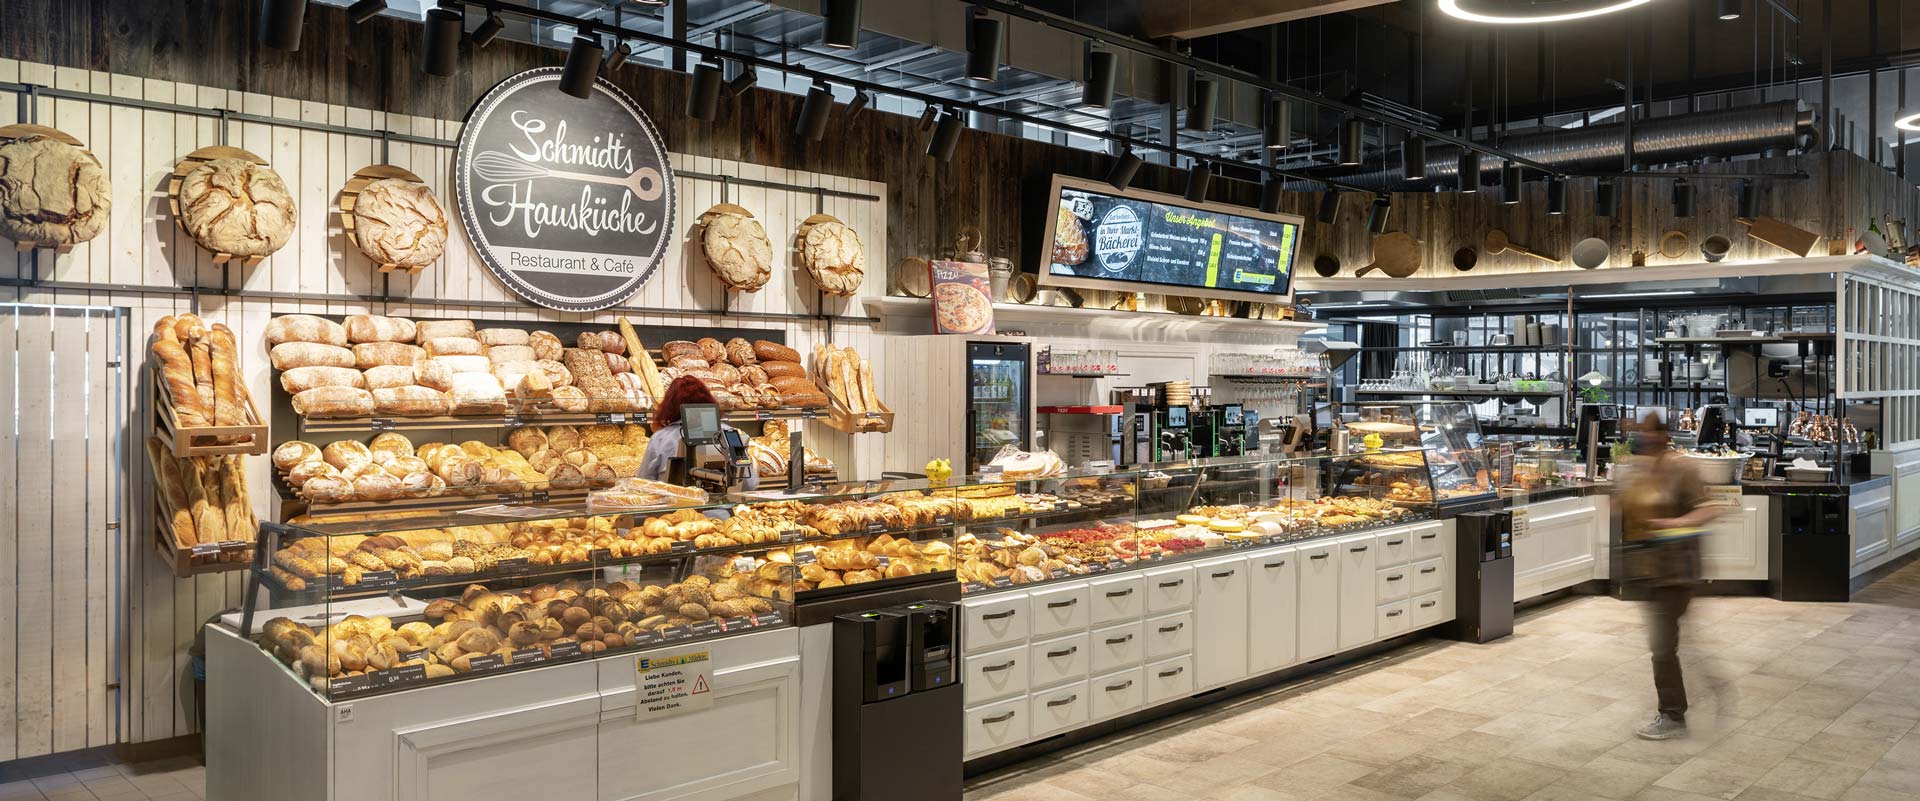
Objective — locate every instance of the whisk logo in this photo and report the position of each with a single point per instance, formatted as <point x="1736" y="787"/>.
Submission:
<point x="569" y="202"/>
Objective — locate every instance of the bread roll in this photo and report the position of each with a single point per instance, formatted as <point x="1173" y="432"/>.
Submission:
<point x="374" y="354"/>
<point x="434" y="329"/>
<point x="389" y="445"/>
<point x="289" y="355"/>
<point x="386" y="376"/>
<point x="322" y="402"/>
<point x="545" y="345"/>
<point x="375" y="328"/>
<point x="533" y="385"/>
<point x="500" y="354"/>
<point x="774" y="352"/>
<point x="347" y="454"/>
<point x="454" y="346"/>
<point x="492" y="337"/>
<point x="301" y="473"/>
<point x="410" y="401"/>
<point x="376" y="486"/>
<point x="301" y="379"/>
<point x="399" y="466"/>
<point x="305" y="328"/>
<point x="292" y="452"/>
<point x="463" y="364"/>
<point x="782" y="369"/>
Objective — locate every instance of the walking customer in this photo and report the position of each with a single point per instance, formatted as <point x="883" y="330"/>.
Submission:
<point x="1663" y="507"/>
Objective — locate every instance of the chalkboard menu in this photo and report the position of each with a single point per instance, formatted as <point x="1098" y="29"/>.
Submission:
<point x="1138" y="241"/>
<point x="568" y="201"/>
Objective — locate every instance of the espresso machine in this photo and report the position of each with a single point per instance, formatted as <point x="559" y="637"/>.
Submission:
<point x="1171" y="433"/>
<point x="1219" y="431"/>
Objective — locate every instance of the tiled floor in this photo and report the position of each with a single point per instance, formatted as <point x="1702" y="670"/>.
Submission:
<point x="167" y="780"/>
<point x="1791" y="702"/>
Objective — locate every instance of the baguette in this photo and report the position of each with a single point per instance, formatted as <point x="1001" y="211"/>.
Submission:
<point x="227" y="410"/>
<point x="202" y="352"/>
<point x="288" y="355"/>
<point x="170" y="493"/>
<point x="233" y="501"/>
<point x="375" y="328"/>
<point x="835" y="379"/>
<point x="642" y="361"/>
<point x="209" y="520"/>
<point x="188" y="327"/>
<point x="176" y="371"/>
<point x="305" y="328"/>
<point x="868" y="392"/>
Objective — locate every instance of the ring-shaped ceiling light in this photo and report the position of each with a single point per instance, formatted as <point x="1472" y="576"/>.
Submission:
<point x="1531" y="12"/>
<point x="1911" y="122"/>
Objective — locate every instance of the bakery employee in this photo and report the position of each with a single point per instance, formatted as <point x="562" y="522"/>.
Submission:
<point x="669" y="431"/>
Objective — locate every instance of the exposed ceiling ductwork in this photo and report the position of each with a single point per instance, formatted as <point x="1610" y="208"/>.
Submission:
<point x="1209" y="17"/>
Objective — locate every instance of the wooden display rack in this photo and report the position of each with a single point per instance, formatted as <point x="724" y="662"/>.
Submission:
<point x="211" y="557"/>
<point x="840" y="418"/>
<point x="189" y="164"/>
<point x="350" y="195"/>
<point x="183" y="441"/>
<point x="27" y="131"/>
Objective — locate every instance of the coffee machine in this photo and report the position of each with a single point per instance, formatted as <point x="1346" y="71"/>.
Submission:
<point x="1219" y="431"/>
<point x="1171" y="434"/>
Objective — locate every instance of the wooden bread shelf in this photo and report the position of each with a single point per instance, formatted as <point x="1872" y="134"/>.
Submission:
<point x="839" y="418"/>
<point x="213" y="557"/>
<point x="203" y="440"/>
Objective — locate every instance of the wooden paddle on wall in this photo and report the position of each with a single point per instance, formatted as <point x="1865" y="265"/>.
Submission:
<point x="1498" y="243"/>
<point x="1396" y="254"/>
<point x="1797" y="241"/>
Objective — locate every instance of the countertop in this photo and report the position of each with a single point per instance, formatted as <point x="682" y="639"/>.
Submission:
<point x="1848" y="484"/>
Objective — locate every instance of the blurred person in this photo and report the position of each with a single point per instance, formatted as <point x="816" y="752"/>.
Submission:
<point x="1664" y="504"/>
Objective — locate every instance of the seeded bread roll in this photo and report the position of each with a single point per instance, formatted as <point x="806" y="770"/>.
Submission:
<point x="375" y="328"/>
<point x="289" y="355"/>
<point x="305" y="328"/>
<point x="301" y="379"/>
<point x="375" y="354"/>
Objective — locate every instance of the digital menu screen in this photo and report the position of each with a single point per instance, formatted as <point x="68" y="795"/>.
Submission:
<point x="1145" y="241"/>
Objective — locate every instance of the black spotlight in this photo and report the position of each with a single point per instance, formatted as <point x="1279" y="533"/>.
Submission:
<point x="858" y="104"/>
<point x="1413" y="158"/>
<point x="1202" y="106"/>
<point x="1605" y="201"/>
<point x="1125" y="167"/>
<point x="1556" y="195"/>
<point x="281" y="22"/>
<point x="946" y="136"/>
<point x="742" y="82"/>
<point x="583" y="65"/>
<point x="1101" y="74"/>
<point x="843" y="23"/>
<point x="1510" y="180"/>
<point x="1469" y="171"/>
<point x="1329" y="206"/>
<point x="1271" y="193"/>
<point x="703" y="96"/>
<point x="621" y="52"/>
<point x="488" y="30"/>
<point x="1377" y="214"/>
<point x="440" y="54"/>
<point x="1199" y="177"/>
<point x="983" y="52"/>
<point x="1279" y="132"/>
<point x="815" y="111"/>
<point x="1682" y="198"/>
<point x="1743" y="190"/>
<point x="1728" y="9"/>
<point x="1352" y="145"/>
<point x="364" y="10"/>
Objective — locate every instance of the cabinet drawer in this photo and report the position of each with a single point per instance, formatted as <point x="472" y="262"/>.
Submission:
<point x="1426" y="541"/>
<point x="1395" y="547"/>
<point x="995" y="622"/>
<point x="1394" y="619"/>
<point x="1392" y="584"/>
<point x="1059" y="709"/>
<point x="1055" y="661"/>
<point x="996" y="726"/>
<point x="1116" y="647"/>
<point x="1169" y="589"/>
<point x="1058" y="611"/>
<point x="1117" y="693"/>
<point x="1114" y="600"/>
<point x="1429" y="576"/>
<point x="1428" y="610"/>
<point x="1169" y="634"/>
<point x="996" y="675"/>
<point x="1171" y="678"/>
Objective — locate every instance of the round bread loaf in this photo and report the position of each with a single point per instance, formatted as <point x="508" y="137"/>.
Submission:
<point x="400" y="222"/>
<point x="835" y="257"/>
<point x="51" y="193"/>
<point x="738" y="250"/>
<point x="236" y="206"/>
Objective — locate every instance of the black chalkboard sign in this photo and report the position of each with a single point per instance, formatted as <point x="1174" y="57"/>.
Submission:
<point x="568" y="201"/>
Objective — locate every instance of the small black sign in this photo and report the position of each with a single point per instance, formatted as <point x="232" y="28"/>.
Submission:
<point x="409" y="656"/>
<point x="539" y="496"/>
<point x="792" y="535"/>
<point x="480" y="664"/>
<point x="517" y="564"/>
<point x="1002" y="581"/>
<point x="350" y="685"/>
<point x="562" y="650"/>
<point x="705" y="628"/>
<point x="804" y="558"/>
<point x="767" y="619"/>
<point x="379" y="579"/>
<point x="646" y="638"/>
<point x="943" y="520"/>
<point x="736" y="623"/>
<point x="683" y="546"/>
<point x="1058" y="573"/>
<point x="972" y="586"/>
<point x="611" y="417"/>
<point x="381" y="424"/>
<point x="675" y="633"/>
<point x="882" y="562"/>
<point x="406" y="674"/>
<point x="876" y="528"/>
<point x="528" y="656"/>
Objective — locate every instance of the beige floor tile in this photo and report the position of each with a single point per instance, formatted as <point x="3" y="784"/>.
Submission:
<point x="1612" y="777"/>
<point x="1562" y="750"/>
<point x="1899" y="778"/>
<point x="1383" y="747"/>
<point x="1412" y="777"/>
<point x="1782" y="725"/>
<point x="1842" y="750"/>
<point x="1470" y="749"/>
<point x="1811" y="779"/>
<point x="1563" y="792"/>
<point x="1758" y="793"/>
<point x="1506" y="780"/>
<point x="1866" y="720"/>
<point x="1761" y="753"/>
<point x="1313" y="773"/>
<point x="1524" y="724"/>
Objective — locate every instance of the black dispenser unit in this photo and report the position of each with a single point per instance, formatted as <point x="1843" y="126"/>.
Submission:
<point x="1811" y="553"/>
<point x="1483" y="576"/>
<point x="896" y="681"/>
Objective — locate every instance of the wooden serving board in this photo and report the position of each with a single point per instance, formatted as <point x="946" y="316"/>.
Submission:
<point x="350" y="195"/>
<point x="189" y="164"/>
<point x="28" y="131"/>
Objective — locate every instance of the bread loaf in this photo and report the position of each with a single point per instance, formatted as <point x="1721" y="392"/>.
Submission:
<point x="228" y="410"/>
<point x="234" y="206"/>
<point x="386" y="376"/>
<point x="740" y="352"/>
<point x="305" y="328"/>
<point x="617" y="363"/>
<point x="241" y="526"/>
<point x="590" y="374"/>
<point x="209" y="517"/>
<point x="322" y="402"/>
<point x="790" y="384"/>
<point x="301" y="379"/>
<point x="478" y="393"/>
<point x="502" y="336"/>
<point x="434" y="374"/>
<point x="171" y="493"/>
<point x="509" y="373"/>
<point x="607" y="341"/>
<point x="463" y="364"/>
<point x="867" y="389"/>
<point x="679" y="348"/>
<point x="454" y="346"/>
<point x="201" y="351"/>
<point x="292" y="452"/>
<point x="782" y="369"/>
<point x="410" y="401"/>
<point x="389" y="445"/>
<point x="375" y="328"/>
<point x="557" y="374"/>
<point x="288" y="355"/>
<point x="306" y="471"/>
<point x="545" y="345"/>
<point x="176" y="374"/>
<point x="811" y="399"/>
<point x="570" y="399"/>
<point x="774" y="352"/>
<point x="500" y="354"/>
<point x="434" y="329"/>
<point x="376" y="485"/>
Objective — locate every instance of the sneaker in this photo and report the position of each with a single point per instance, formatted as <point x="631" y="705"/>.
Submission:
<point x="1663" y="727"/>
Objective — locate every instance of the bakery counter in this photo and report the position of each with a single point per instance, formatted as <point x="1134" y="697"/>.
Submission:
<point x="1783" y="486"/>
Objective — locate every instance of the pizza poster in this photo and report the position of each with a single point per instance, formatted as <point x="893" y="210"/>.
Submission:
<point x="1115" y="238"/>
<point x="961" y="304"/>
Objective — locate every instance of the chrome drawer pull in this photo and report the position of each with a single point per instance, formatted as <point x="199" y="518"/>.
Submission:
<point x="997" y="668"/>
<point x="999" y="718"/>
<point x="1272" y="565"/>
<point x="1228" y="574"/>
<point x="1063" y="604"/>
<point x="1167" y="584"/>
<point x="1126" y="639"/>
<point x="1114" y="688"/>
<point x="1394" y="613"/>
<point x="1171" y="629"/>
<point x="1064" y="701"/>
<point x="1168" y="674"/>
<point x="999" y="615"/>
<point x="1121" y="594"/>
<point x="1069" y="652"/>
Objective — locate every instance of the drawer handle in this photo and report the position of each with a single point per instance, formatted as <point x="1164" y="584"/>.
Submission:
<point x="999" y="615"/>
<point x="996" y="668"/>
<point x="1357" y="550"/>
<point x="1272" y="565"/>
<point x="1319" y="556"/>
<point x="1395" y="577"/>
<point x="1114" y="688"/>
<point x="999" y="718"/>
<point x="1120" y="593"/>
<point x="1396" y="542"/>
<point x="1426" y="570"/>
<point x="1428" y="536"/>
<point x="1427" y="604"/>
<point x="1069" y="652"/>
<point x="1173" y="628"/>
<point x="1064" y="701"/>
<point x="1063" y="604"/>
<point x="1170" y="584"/>
<point x="1120" y="640"/>
<point x="1227" y="574"/>
<point x="1168" y="674"/>
<point x="1394" y="613"/>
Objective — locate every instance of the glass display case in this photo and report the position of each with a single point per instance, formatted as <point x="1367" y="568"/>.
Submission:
<point x="1438" y="441"/>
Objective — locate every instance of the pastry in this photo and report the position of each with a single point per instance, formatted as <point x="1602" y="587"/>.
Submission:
<point x="1069" y="238"/>
<point x="835" y="257"/>
<point x="399" y="222"/>
<point x="738" y="251"/>
<point x="51" y="193"/>
<point x="237" y="207"/>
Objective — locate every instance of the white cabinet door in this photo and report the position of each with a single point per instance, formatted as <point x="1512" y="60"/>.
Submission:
<point x="994" y="621"/>
<point x="1735" y="545"/>
<point x="1115" y="647"/>
<point x="1059" y="709"/>
<point x="1556" y="547"/>
<point x="1220" y="621"/>
<point x="1169" y="634"/>
<point x="994" y="675"/>
<point x="1117" y="693"/>
<point x="1273" y="587"/>
<point x="1117" y="599"/>
<point x="1169" y="588"/>
<point x="1319" y="605"/>
<point x="996" y="726"/>
<point x="1169" y="679"/>
<point x="1357" y="557"/>
<point x="1059" y="610"/>
<point x="1056" y="661"/>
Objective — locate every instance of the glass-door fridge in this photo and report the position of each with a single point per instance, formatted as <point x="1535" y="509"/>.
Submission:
<point x="999" y="400"/>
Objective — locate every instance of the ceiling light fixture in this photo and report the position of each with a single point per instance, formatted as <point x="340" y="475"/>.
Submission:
<point x="1352" y="143"/>
<point x="281" y="22"/>
<point x="946" y="136"/>
<point x="1509" y="12"/>
<point x="440" y="48"/>
<point x="1556" y="195"/>
<point x="842" y="29"/>
<point x="1729" y="9"/>
<point x="1272" y="193"/>
<point x="364" y="10"/>
<point x="815" y="112"/>
<point x="1329" y="206"/>
<point x="1199" y="178"/>
<point x="703" y="95"/>
<point x="1202" y="106"/>
<point x="1605" y="200"/>
<point x="1682" y="199"/>
<point x="621" y="52"/>
<point x="1125" y="167"/>
<point x="1279" y="130"/>
<point x="582" y="66"/>
<point x="1413" y="158"/>
<point x="983" y="47"/>
<point x="489" y="30"/>
<point x="1668" y="293"/>
<point x="742" y="82"/>
<point x="1377" y="214"/>
<point x="1510" y="180"/>
<point x="1101" y="75"/>
<point x="858" y="104"/>
<point x="1469" y="172"/>
<point x="1911" y="122"/>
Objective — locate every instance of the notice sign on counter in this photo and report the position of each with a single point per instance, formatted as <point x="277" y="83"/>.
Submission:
<point x="671" y="684"/>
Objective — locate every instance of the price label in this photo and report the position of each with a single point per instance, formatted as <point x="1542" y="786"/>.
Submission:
<point x="1002" y="581"/>
<point x="646" y="638"/>
<point x="1520" y="522"/>
<point x="540" y="496"/>
<point x="736" y="623"/>
<point x="1100" y="468"/>
<point x="943" y="520"/>
<point x="876" y="528"/>
<point x="804" y="558"/>
<point x="809" y="414"/>
<point x="1115" y="564"/>
<point x="379" y="579"/>
<point x="409" y="656"/>
<point x="600" y="555"/>
<point x="611" y="417"/>
<point x="705" y="628"/>
<point x="792" y="535"/>
<point x="511" y="421"/>
<point x="481" y="664"/>
<point x="972" y="586"/>
<point x="769" y="618"/>
<point x="675" y="633"/>
<point x="990" y="472"/>
<point x="763" y="415"/>
<point x="1058" y="573"/>
<point x="528" y="656"/>
<point x="508" y="497"/>
<point x="408" y="674"/>
<point x="350" y="685"/>
<point x="381" y="424"/>
<point x="563" y="650"/>
<point x="682" y="546"/>
<point x="517" y="564"/>
<point x="205" y="549"/>
<point x="882" y="562"/>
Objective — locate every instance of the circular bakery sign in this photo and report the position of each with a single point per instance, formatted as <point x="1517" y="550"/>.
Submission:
<point x="568" y="201"/>
<point x="1117" y="238"/>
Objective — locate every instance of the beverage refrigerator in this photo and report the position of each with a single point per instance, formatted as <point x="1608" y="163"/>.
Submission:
<point x="969" y="396"/>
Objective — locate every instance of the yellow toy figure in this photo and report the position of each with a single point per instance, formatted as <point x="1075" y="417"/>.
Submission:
<point x="1372" y="442"/>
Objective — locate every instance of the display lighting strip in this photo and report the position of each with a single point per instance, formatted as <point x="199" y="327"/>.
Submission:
<point x="1911" y="122"/>
<point x="1466" y="10"/>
